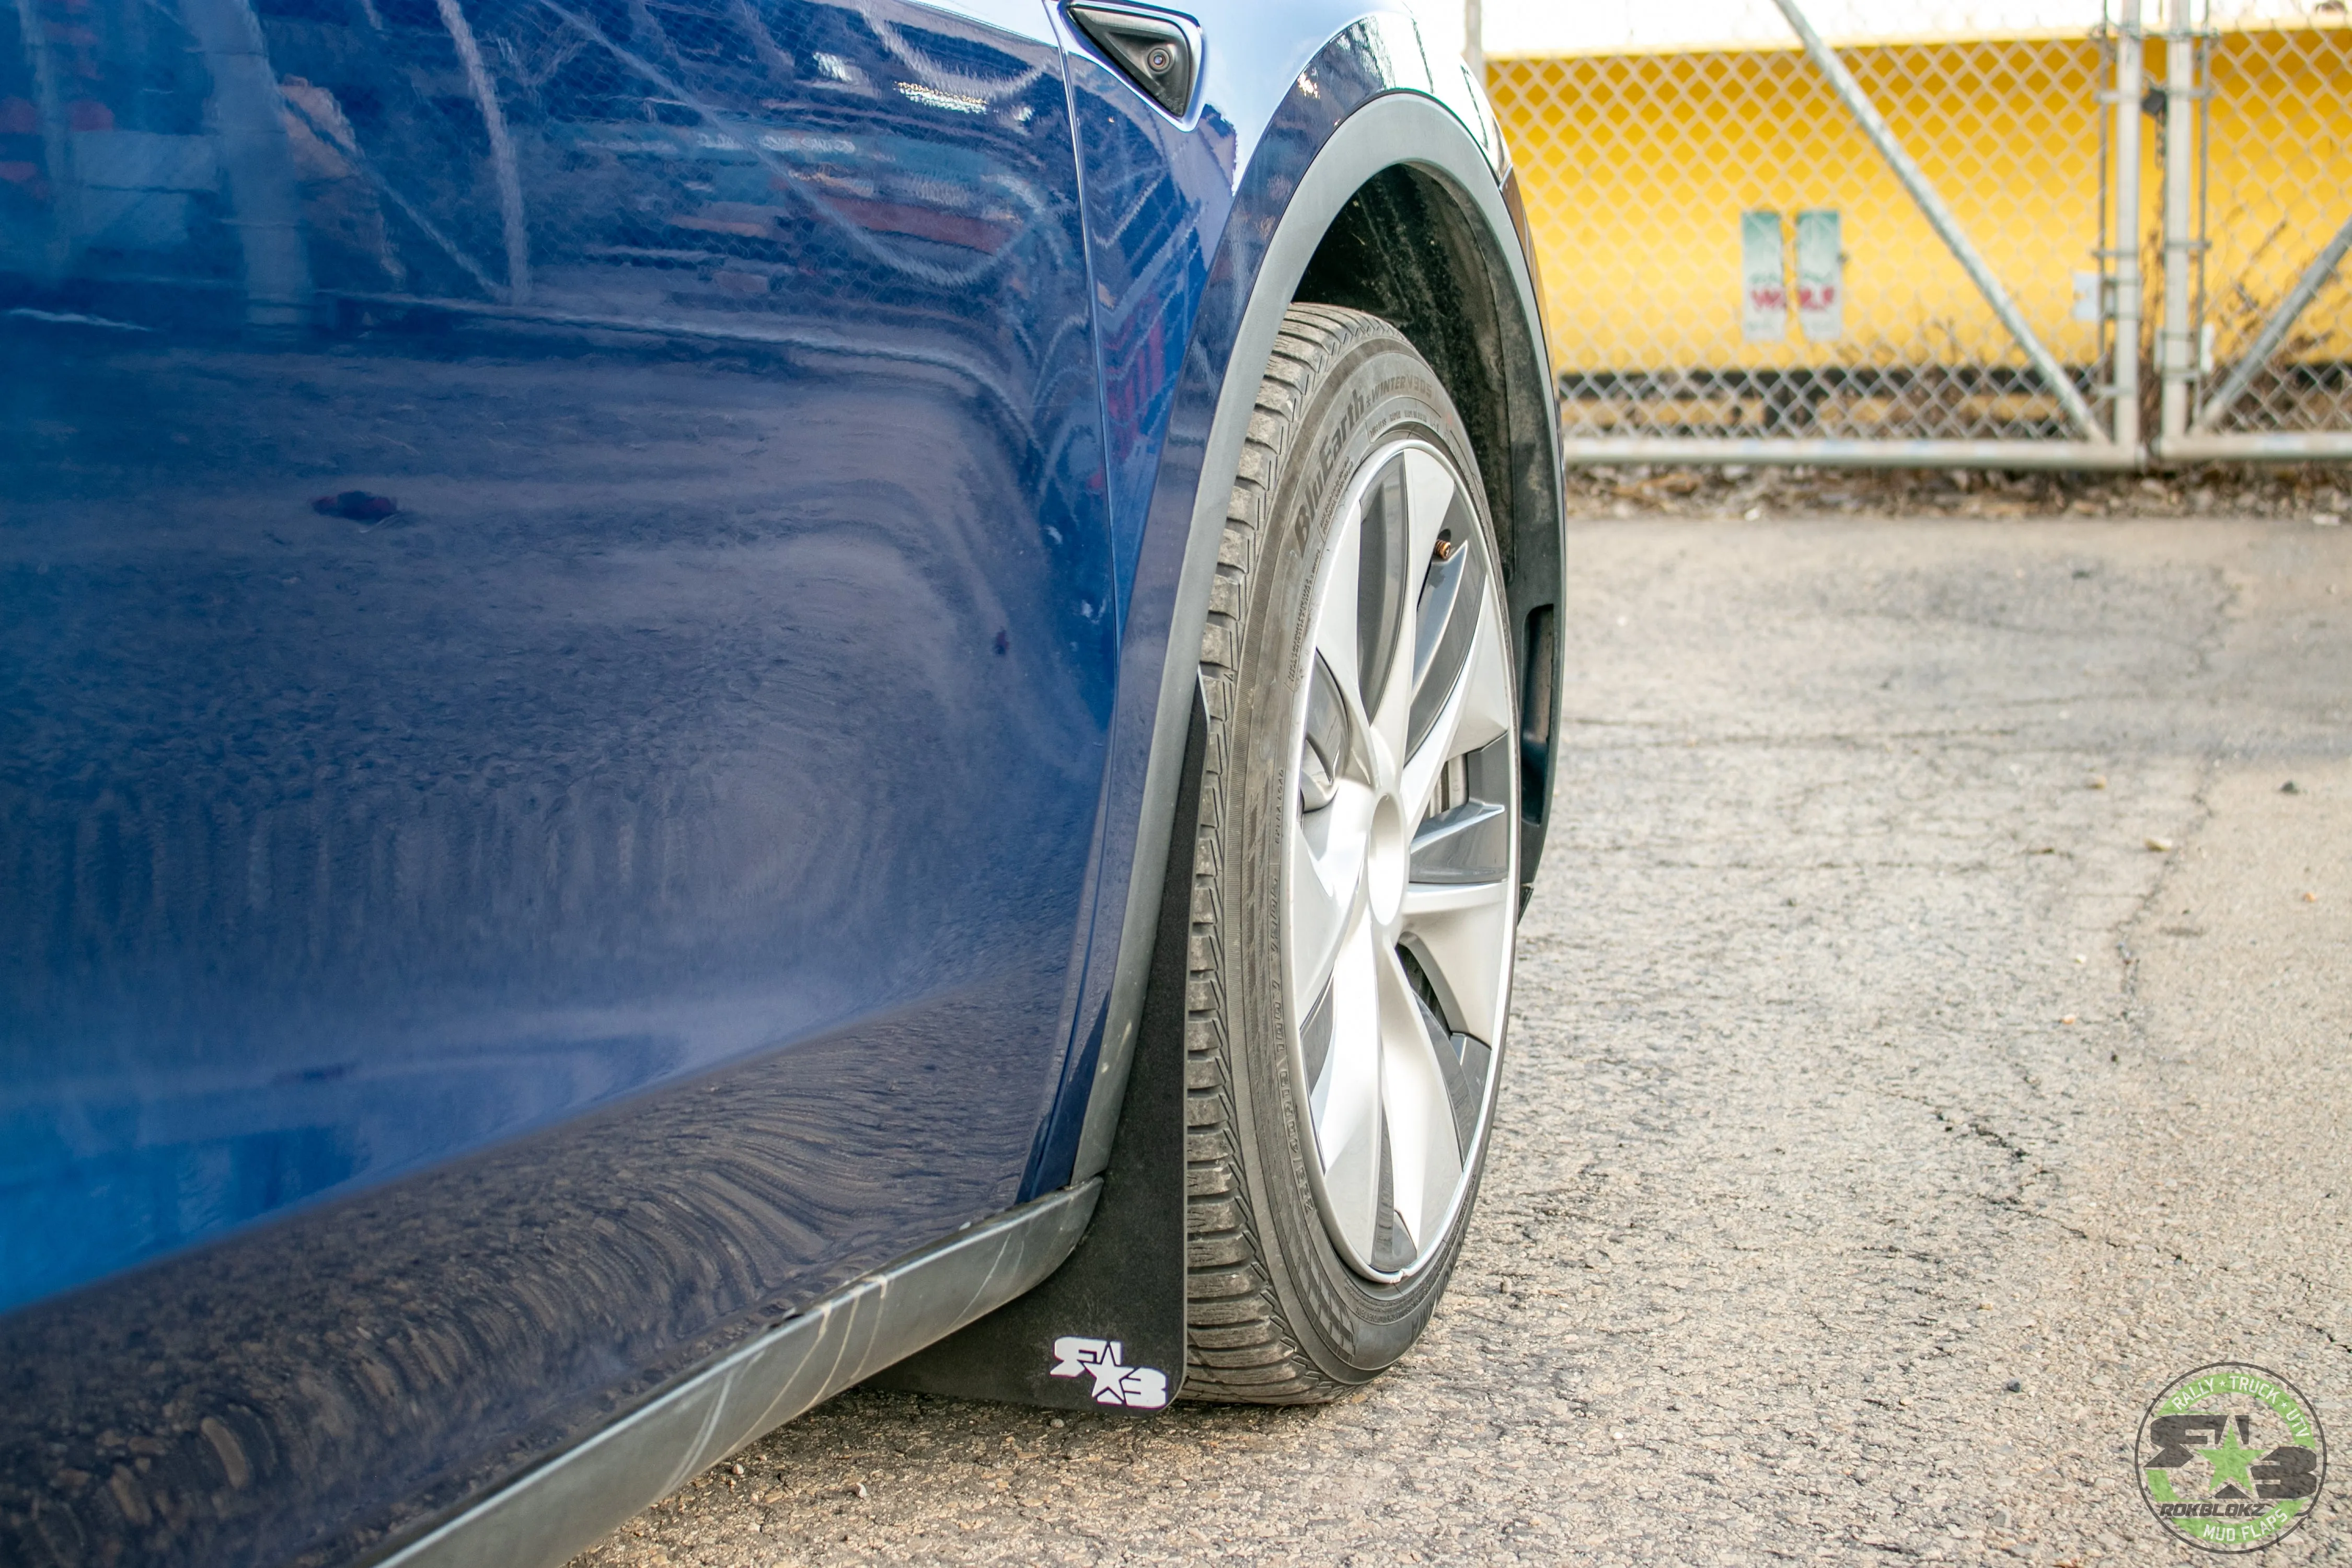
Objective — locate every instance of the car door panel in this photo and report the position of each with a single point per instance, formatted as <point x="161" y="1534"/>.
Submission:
<point x="548" y="797"/>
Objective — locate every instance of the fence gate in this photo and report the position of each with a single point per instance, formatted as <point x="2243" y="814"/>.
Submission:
<point x="2256" y="357"/>
<point x="2020" y="233"/>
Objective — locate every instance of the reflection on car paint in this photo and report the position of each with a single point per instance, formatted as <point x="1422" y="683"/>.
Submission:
<point x="490" y="940"/>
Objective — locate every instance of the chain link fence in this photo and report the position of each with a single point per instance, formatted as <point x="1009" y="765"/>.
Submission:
<point x="2271" y="304"/>
<point x="1739" y="270"/>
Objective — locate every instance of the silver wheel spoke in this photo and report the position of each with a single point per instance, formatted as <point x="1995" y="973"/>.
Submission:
<point x="1382" y="550"/>
<point x="1448" y="605"/>
<point x="1486" y="714"/>
<point x="1459" y="933"/>
<point x="1346" y="1106"/>
<point x="1466" y="1065"/>
<point x="1335" y="617"/>
<point x="1467" y="843"/>
<point x="1431" y="486"/>
<point x="1426" y="1164"/>
<point x="1326" y="890"/>
<point x="1423" y="493"/>
<point x="1476" y="713"/>
<point x="1331" y="746"/>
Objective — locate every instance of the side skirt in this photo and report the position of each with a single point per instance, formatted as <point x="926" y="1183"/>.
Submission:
<point x="574" y="1500"/>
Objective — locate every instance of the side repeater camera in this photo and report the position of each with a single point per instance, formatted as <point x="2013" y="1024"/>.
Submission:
<point x="1154" y="52"/>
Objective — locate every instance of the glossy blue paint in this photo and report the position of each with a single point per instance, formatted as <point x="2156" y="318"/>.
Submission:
<point x="588" y="738"/>
<point x="579" y="592"/>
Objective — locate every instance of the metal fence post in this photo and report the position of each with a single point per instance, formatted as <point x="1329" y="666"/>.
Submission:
<point x="2284" y="390"/>
<point x="2176" y="347"/>
<point x="2130" y="66"/>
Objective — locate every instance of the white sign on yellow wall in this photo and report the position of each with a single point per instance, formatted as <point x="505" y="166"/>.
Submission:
<point x="1821" y="276"/>
<point x="1763" y="278"/>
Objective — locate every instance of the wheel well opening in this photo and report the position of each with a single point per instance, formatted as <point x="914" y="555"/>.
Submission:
<point x="1404" y="249"/>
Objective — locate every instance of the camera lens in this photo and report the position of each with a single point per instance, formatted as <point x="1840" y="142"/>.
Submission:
<point x="1161" y="57"/>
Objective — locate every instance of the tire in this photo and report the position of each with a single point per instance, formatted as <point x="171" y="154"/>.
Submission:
<point x="1309" y="1271"/>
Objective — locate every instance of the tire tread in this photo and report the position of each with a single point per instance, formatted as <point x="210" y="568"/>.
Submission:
<point x="1240" y="1345"/>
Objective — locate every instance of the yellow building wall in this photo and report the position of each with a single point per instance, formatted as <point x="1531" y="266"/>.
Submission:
<point x="1636" y="169"/>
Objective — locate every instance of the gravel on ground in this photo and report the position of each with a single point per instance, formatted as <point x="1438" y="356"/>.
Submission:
<point x="1755" y="493"/>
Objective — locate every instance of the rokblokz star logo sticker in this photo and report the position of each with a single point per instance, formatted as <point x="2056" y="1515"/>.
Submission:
<point x="1135" y="1387"/>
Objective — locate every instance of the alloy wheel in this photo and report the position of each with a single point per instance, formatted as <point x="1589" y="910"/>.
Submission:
<point x="1401" y="865"/>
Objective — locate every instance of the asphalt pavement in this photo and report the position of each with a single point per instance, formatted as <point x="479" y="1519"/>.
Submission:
<point x="1930" y="1039"/>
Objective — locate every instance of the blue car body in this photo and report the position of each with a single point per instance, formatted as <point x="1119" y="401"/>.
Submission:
<point x="594" y="601"/>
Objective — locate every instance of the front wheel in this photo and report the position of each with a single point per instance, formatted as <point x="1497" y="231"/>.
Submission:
<point x="1355" y="894"/>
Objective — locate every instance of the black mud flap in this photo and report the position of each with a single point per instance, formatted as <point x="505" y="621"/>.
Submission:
<point x="1106" y="1330"/>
